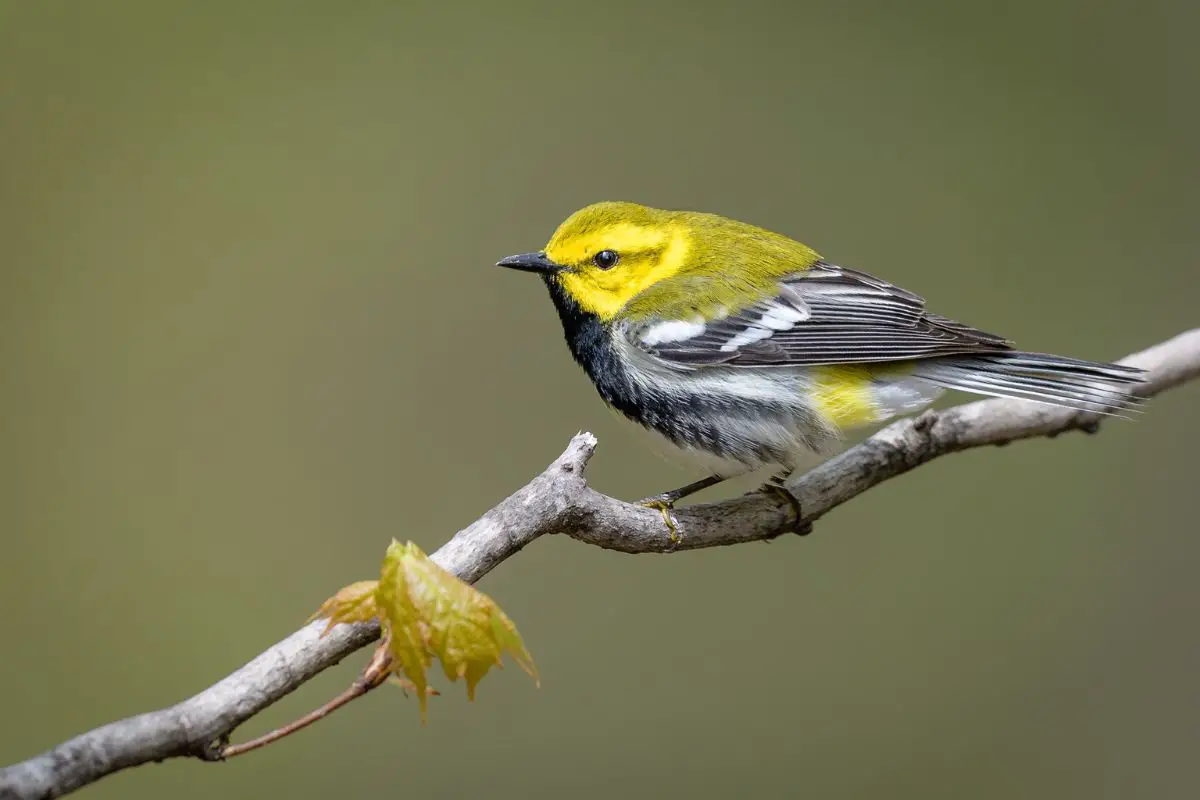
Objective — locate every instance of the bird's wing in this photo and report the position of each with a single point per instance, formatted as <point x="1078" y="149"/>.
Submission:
<point x="825" y="315"/>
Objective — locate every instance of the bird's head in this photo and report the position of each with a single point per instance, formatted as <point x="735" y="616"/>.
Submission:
<point x="605" y="255"/>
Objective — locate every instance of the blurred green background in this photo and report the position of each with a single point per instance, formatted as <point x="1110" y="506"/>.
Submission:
<point x="250" y="331"/>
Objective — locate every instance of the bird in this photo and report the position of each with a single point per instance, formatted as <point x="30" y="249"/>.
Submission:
<point x="743" y="348"/>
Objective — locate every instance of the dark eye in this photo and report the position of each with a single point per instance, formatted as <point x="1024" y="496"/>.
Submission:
<point x="606" y="259"/>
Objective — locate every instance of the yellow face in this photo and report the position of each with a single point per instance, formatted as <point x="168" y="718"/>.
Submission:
<point x="608" y="259"/>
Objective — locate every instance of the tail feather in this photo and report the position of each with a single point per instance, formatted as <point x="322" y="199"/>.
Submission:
<point x="1057" y="380"/>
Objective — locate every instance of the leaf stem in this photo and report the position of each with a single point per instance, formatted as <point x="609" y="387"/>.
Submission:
<point x="373" y="676"/>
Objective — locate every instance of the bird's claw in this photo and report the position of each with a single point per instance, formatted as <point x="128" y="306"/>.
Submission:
<point x="664" y="504"/>
<point x="775" y="486"/>
<point x="666" y="501"/>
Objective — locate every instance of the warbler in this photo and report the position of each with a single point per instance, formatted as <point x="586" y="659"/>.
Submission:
<point x="745" y="348"/>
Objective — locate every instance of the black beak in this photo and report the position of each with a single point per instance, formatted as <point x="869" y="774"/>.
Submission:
<point x="530" y="262"/>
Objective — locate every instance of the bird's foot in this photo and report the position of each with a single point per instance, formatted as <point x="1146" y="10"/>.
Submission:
<point x="776" y="485"/>
<point x="665" y="502"/>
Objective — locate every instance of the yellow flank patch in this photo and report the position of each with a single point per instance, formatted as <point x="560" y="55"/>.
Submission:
<point x="647" y="255"/>
<point x="843" y="396"/>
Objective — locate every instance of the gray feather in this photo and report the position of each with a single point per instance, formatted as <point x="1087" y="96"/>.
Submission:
<point x="843" y="316"/>
<point x="1070" y="382"/>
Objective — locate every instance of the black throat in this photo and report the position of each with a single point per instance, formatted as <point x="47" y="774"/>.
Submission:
<point x="687" y="418"/>
<point x="591" y="345"/>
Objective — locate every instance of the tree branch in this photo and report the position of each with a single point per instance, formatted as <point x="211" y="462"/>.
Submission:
<point x="559" y="501"/>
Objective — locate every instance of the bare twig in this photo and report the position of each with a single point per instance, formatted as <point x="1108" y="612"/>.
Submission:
<point x="374" y="675"/>
<point x="559" y="501"/>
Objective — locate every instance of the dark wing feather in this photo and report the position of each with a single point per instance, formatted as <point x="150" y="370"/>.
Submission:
<point x="829" y="315"/>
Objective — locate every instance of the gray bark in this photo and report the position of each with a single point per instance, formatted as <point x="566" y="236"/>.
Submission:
<point x="560" y="501"/>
